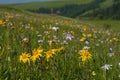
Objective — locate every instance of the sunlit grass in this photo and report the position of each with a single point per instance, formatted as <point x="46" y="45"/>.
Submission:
<point x="45" y="47"/>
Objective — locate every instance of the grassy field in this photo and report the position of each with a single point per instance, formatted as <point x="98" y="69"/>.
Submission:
<point x="58" y="3"/>
<point x="112" y="24"/>
<point x="49" y="47"/>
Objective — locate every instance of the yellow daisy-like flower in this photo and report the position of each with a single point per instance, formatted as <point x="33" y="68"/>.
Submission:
<point x="89" y="35"/>
<point x="24" y="57"/>
<point x="93" y="73"/>
<point x="60" y="49"/>
<point x="2" y="22"/>
<point x="85" y="55"/>
<point x="115" y="39"/>
<point x="52" y="43"/>
<point x="36" y="54"/>
<point x="85" y="28"/>
<point x="82" y="39"/>
<point x="50" y="53"/>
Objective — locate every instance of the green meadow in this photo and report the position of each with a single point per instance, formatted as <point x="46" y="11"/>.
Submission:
<point x="50" y="47"/>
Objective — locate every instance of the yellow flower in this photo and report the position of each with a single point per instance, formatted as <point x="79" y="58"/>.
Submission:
<point x="115" y="39"/>
<point x="85" y="28"/>
<point x="93" y="73"/>
<point x="24" y="57"/>
<point x="2" y="22"/>
<point x="50" y="53"/>
<point x="12" y="27"/>
<point x="60" y="49"/>
<point x="82" y="39"/>
<point x="52" y="43"/>
<point x="36" y="54"/>
<point x="9" y="16"/>
<point x="85" y="55"/>
<point x="89" y="35"/>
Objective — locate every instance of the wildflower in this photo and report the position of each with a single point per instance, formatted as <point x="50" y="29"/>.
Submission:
<point x="86" y="47"/>
<point x="36" y="54"/>
<point x="119" y="75"/>
<point x="25" y="40"/>
<point x="2" y="22"/>
<point x="52" y="43"/>
<point x="0" y="47"/>
<point x="60" y="49"/>
<point x="27" y="27"/>
<point x="86" y="42"/>
<point x="10" y="24"/>
<point x="40" y="41"/>
<point x="55" y="28"/>
<point x="9" y="16"/>
<point x="97" y="44"/>
<point x="93" y="73"/>
<point x="111" y="48"/>
<point x="24" y="57"/>
<point x="82" y="39"/>
<point x="12" y="27"/>
<point x="39" y="35"/>
<point x="89" y="35"/>
<point x="85" y="55"/>
<point x="68" y="36"/>
<point x="115" y="39"/>
<point x="50" y="53"/>
<point x="119" y="64"/>
<point x="64" y="42"/>
<point x="106" y="67"/>
<point x="85" y="28"/>
<point x="110" y="54"/>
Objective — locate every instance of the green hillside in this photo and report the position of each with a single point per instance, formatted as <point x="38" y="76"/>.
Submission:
<point x="49" y="47"/>
<point x="100" y="9"/>
<point x="50" y="4"/>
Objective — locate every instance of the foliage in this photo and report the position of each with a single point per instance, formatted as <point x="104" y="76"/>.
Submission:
<point x="49" y="47"/>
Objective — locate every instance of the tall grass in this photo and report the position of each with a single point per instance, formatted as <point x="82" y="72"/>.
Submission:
<point x="21" y="32"/>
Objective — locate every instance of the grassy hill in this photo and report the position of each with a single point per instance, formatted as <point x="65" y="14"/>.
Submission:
<point x="38" y="46"/>
<point x="50" y="4"/>
<point x="101" y="9"/>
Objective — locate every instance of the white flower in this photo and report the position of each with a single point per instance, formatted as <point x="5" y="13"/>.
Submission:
<point x="110" y="54"/>
<point x="119" y="64"/>
<point x="25" y="39"/>
<point x="111" y="49"/>
<point x="86" y="42"/>
<point x="97" y="45"/>
<point x="102" y="41"/>
<point x="106" y="67"/>
<point x="86" y="47"/>
<point x="56" y="23"/>
<point x="0" y="47"/>
<point x="39" y="35"/>
<point x="40" y="41"/>
<point x="68" y="36"/>
<point x="55" y="28"/>
<point x="64" y="42"/>
<point x="27" y="27"/>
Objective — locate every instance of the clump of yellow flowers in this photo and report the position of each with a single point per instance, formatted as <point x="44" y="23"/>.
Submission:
<point x="51" y="52"/>
<point x="38" y="53"/>
<point x="85" y="55"/>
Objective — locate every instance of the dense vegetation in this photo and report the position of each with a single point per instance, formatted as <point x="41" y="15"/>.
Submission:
<point x="48" y="47"/>
<point x="78" y="10"/>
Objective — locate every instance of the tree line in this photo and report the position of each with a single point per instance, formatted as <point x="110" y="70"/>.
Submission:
<point x="76" y="10"/>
